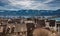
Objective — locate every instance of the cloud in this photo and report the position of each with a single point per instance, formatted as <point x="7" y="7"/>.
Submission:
<point x="30" y="4"/>
<point x="48" y="1"/>
<point x="2" y="8"/>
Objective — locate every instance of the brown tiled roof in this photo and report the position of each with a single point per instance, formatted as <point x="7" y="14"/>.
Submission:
<point x="20" y="28"/>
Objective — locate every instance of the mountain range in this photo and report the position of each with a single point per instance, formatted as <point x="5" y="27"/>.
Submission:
<point x="29" y="12"/>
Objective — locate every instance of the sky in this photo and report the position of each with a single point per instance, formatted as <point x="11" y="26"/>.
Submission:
<point x="30" y="4"/>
